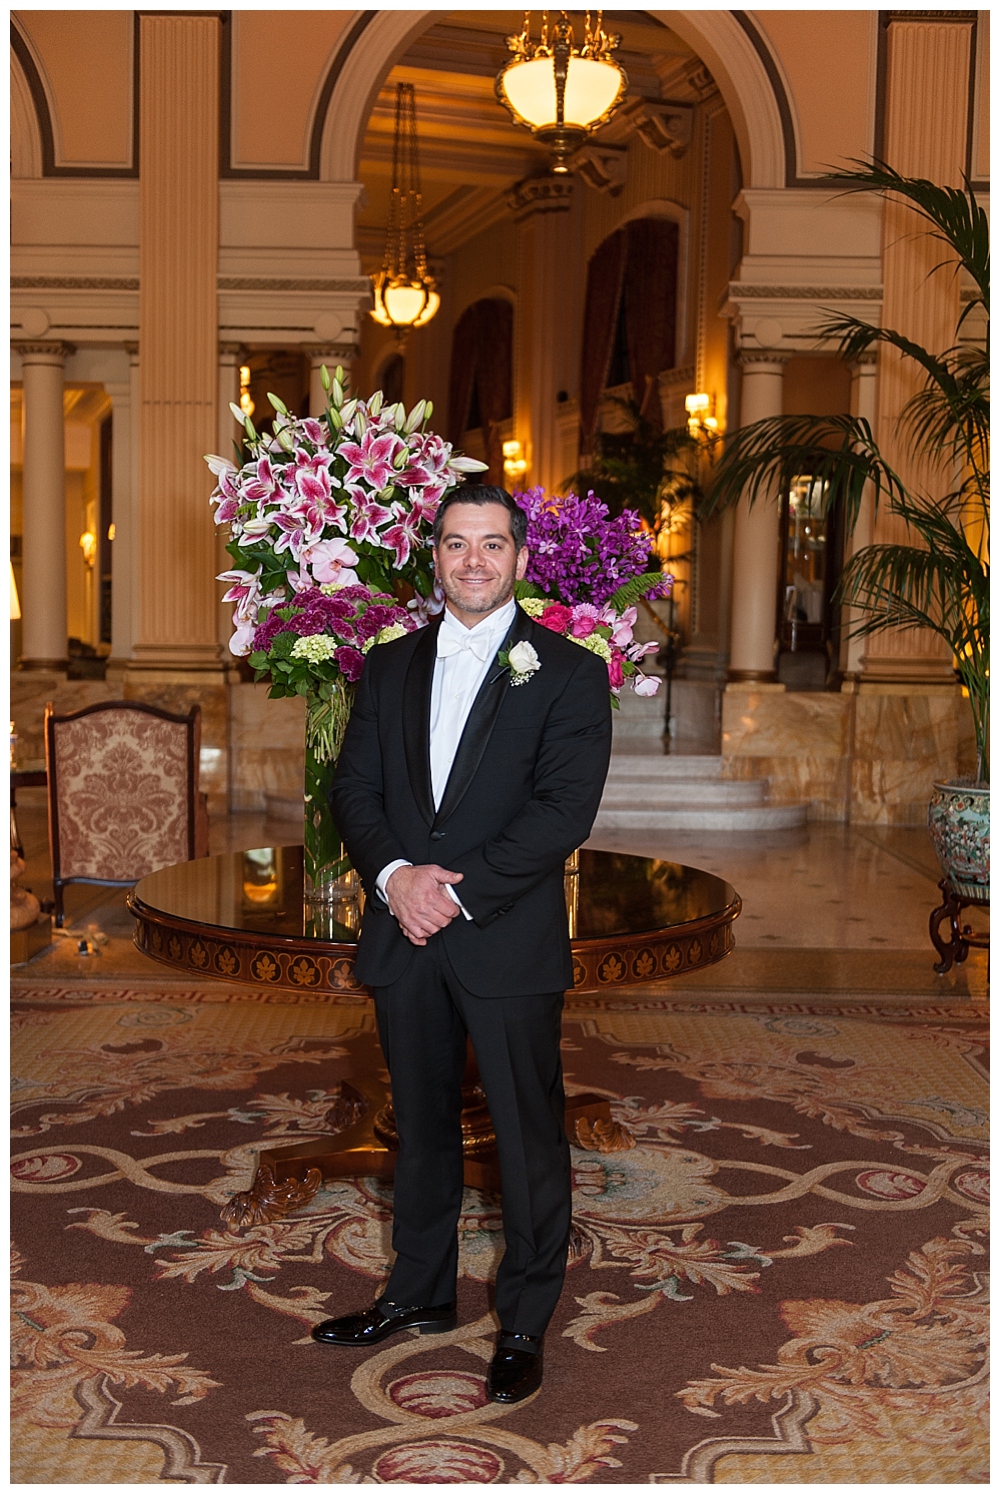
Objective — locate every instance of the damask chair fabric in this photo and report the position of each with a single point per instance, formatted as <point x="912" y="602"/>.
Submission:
<point x="123" y="793"/>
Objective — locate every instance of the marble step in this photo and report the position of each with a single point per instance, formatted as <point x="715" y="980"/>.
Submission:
<point x="651" y="791"/>
<point x="683" y="793"/>
<point x="649" y="765"/>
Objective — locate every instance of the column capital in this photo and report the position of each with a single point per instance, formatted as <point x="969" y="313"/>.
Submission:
<point x="540" y="194"/>
<point x="232" y="349"/>
<point x="764" y="357"/>
<point x="44" y="352"/>
<point x="865" y="361"/>
<point x="318" y="351"/>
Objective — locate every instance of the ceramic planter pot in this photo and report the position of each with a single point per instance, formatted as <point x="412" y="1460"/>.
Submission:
<point x="958" y="818"/>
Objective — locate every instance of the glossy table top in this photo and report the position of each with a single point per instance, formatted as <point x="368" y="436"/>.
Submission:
<point x="259" y="892"/>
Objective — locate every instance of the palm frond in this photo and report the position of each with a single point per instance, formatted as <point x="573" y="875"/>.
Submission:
<point x="956" y="216"/>
<point x="635" y="591"/>
<point x="761" y="460"/>
<point x="900" y="586"/>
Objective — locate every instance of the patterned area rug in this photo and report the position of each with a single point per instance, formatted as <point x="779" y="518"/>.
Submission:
<point x="783" y="1281"/>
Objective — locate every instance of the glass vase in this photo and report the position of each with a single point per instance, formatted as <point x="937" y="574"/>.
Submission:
<point x="328" y="876"/>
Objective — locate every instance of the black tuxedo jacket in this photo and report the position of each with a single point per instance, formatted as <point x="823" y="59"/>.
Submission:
<point x="522" y="795"/>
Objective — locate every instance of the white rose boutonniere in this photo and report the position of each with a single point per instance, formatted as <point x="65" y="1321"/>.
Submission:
<point x="522" y="661"/>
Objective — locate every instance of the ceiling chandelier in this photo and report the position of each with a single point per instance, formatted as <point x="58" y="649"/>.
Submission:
<point x="405" y="295"/>
<point x="558" y="91"/>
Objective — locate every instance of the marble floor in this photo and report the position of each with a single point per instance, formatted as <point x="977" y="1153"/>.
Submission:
<point x="834" y="908"/>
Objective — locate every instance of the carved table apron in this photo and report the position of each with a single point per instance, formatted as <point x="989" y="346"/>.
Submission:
<point x="241" y="917"/>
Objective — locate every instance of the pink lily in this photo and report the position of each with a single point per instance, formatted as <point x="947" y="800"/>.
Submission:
<point x="373" y="460"/>
<point x="367" y="518"/>
<point x="264" y="486"/>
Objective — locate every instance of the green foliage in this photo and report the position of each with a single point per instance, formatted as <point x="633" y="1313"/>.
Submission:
<point x="635" y="591"/>
<point x="638" y="467"/>
<point x="943" y="582"/>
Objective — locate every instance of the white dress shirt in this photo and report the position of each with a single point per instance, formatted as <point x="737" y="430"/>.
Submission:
<point x="464" y="657"/>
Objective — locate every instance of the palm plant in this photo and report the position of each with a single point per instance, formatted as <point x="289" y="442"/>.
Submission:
<point x="640" y="467"/>
<point x="943" y="582"/>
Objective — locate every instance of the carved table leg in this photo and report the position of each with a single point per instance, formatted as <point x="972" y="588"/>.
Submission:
<point x="289" y="1177"/>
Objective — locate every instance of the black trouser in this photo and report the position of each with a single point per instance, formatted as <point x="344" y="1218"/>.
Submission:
<point x="423" y="1019"/>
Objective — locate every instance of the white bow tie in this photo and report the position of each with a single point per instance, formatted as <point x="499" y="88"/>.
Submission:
<point x="449" y="644"/>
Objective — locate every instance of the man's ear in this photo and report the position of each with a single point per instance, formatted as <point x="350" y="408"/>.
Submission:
<point x="522" y="563"/>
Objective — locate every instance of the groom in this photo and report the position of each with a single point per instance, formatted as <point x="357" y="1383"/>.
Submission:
<point x="473" y="765"/>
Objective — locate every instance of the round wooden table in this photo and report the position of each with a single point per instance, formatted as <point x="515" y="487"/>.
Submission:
<point x="242" y="918"/>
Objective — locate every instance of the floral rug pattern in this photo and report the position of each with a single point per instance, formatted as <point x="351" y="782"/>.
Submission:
<point x="782" y="1280"/>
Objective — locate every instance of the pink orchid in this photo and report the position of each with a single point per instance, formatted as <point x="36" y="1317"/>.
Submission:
<point x="643" y="684"/>
<point x="242" y="639"/>
<point x="330" y="561"/>
<point x="622" y="626"/>
<point x="373" y="459"/>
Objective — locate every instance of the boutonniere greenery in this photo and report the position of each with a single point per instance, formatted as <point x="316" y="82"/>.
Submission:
<point x="521" y="660"/>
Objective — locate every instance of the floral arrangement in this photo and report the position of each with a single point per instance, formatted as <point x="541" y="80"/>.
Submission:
<point x="320" y="638"/>
<point x="586" y="573"/>
<point x="342" y="500"/>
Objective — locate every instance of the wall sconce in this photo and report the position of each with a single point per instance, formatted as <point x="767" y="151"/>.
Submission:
<point x="701" y="422"/>
<point x="514" y="464"/>
<point x="88" y="544"/>
<point x="111" y="531"/>
<point x="246" y="403"/>
<point x="15" y="605"/>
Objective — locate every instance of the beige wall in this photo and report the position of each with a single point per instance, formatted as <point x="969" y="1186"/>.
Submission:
<point x="279" y="60"/>
<point x="833" y="124"/>
<point x="85" y="58"/>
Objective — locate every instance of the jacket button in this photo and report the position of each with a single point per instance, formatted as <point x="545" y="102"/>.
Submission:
<point x="437" y="834"/>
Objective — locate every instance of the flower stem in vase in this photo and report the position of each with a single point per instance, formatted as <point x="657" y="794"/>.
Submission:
<point x="328" y="874"/>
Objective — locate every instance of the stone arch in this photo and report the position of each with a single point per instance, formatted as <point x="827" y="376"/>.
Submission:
<point x="26" y="156"/>
<point x="722" y="38"/>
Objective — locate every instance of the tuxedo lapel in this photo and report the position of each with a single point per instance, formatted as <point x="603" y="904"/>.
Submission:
<point x="481" y="721"/>
<point x="417" y="719"/>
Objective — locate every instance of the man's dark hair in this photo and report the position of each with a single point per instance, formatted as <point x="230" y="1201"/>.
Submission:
<point x="480" y="493"/>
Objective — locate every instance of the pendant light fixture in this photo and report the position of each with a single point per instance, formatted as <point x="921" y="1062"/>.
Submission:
<point x="405" y="295"/>
<point x="558" y="91"/>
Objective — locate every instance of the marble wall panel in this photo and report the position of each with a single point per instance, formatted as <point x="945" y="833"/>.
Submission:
<point x="871" y="758"/>
<point x="266" y="747"/>
<point x="779" y="723"/>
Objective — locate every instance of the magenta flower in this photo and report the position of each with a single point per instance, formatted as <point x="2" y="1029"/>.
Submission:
<point x="350" y="662"/>
<point x="368" y="516"/>
<point x="262" y="485"/>
<point x="372" y="460"/>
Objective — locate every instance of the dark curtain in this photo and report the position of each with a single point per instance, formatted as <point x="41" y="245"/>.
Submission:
<point x="482" y="357"/>
<point x="604" y="288"/>
<point x="650" y="308"/>
<point x="638" y="262"/>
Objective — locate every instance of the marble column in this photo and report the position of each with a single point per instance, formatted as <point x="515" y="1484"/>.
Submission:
<point x="755" y="541"/>
<point x="928" y="58"/>
<point x="541" y="206"/>
<point x="331" y="355"/>
<point x="43" y="584"/>
<point x="177" y="624"/>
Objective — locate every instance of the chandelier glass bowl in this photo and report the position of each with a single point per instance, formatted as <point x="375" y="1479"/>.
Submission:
<point x="405" y="295"/>
<point x="558" y="91"/>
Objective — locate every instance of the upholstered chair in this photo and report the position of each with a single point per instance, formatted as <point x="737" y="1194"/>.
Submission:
<point x="123" y="793"/>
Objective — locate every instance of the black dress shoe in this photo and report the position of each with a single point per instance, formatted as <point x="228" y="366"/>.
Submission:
<point x="359" y="1329"/>
<point x="515" y="1370"/>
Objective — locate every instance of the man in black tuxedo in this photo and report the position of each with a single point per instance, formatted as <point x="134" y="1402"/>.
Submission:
<point x="473" y="765"/>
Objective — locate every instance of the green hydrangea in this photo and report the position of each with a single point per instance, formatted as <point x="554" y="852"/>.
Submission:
<point x="385" y="635"/>
<point x="596" y="644"/>
<point x="533" y="606"/>
<point x="318" y="648"/>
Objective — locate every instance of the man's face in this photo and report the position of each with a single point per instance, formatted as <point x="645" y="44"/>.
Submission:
<point x="476" y="561"/>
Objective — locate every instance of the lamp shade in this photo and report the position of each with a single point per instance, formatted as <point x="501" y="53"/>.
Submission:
<point x="592" y="90"/>
<point x="404" y="302"/>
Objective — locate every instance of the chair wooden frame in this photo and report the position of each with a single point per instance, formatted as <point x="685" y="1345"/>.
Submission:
<point x="193" y="723"/>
